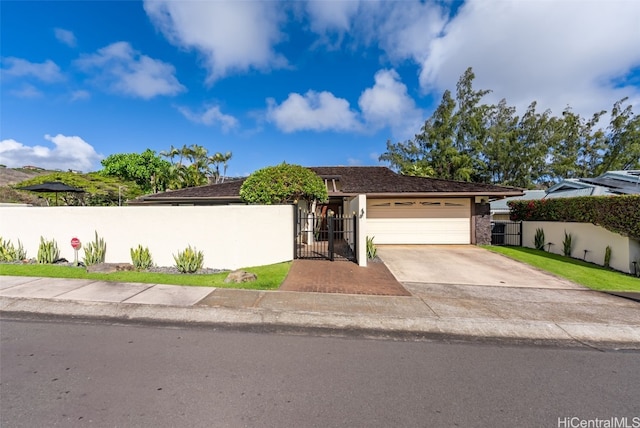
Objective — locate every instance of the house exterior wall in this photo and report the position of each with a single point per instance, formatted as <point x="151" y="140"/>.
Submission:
<point x="586" y="236"/>
<point x="229" y="236"/>
<point x="481" y="223"/>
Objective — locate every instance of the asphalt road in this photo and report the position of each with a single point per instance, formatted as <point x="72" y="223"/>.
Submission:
<point x="68" y="374"/>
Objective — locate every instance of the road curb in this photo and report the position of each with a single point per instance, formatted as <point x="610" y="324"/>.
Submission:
<point x="515" y="332"/>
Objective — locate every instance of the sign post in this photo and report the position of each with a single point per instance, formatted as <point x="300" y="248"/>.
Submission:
<point x="75" y="243"/>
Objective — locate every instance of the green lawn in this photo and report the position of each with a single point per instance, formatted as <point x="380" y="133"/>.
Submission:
<point x="269" y="277"/>
<point x="578" y="271"/>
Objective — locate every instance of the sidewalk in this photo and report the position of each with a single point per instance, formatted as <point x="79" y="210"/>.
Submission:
<point x="565" y="317"/>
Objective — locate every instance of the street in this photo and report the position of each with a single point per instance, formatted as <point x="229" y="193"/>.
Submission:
<point x="70" y="373"/>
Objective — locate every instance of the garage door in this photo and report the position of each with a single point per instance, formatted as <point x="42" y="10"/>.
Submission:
<point x="419" y="221"/>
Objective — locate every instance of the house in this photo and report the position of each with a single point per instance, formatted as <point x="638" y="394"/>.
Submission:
<point x="611" y="183"/>
<point x="399" y="209"/>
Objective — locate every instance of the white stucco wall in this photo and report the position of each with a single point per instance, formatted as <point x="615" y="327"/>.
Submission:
<point x="358" y="205"/>
<point x="229" y="236"/>
<point x="585" y="236"/>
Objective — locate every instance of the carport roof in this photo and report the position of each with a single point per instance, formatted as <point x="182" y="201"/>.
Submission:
<point x="344" y="181"/>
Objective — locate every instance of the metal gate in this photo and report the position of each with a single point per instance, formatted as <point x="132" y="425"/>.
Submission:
<point x="506" y="233"/>
<point x="324" y="237"/>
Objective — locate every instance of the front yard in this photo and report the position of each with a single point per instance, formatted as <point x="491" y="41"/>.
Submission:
<point x="269" y="277"/>
<point x="578" y="271"/>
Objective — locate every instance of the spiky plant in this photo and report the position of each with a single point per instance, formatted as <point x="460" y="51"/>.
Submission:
<point x="189" y="261"/>
<point x="95" y="252"/>
<point x="141" y="258"/>
<point x="48" y="251"/>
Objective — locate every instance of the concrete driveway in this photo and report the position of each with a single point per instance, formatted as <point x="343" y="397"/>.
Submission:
<point x="464" y="265"/>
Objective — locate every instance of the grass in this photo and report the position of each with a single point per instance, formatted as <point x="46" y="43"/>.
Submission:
<point x="581" y="272"/>
<point x="269" y="277"/>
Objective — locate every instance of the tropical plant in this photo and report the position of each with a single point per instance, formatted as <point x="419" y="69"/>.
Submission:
<point x="607" y="256"/>
<point x="567" y="244"/>
<point x="194" y="166"/>
<point x="141" y="258"/>
<point x="189" y="261"/>
<point x="95" y="252"/>
<point x="372" y="250"/>
<point x="11" y="253"/>
<point x="48" y="251"/>
<point x="539" y="239"/>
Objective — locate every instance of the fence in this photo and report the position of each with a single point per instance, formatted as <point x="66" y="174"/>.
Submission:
<point x="326" y="237"/>
<point x="506" y="233"/>
<point x="230" y="237"/>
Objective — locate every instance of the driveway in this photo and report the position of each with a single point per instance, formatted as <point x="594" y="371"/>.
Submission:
<point x="464" y="265"/>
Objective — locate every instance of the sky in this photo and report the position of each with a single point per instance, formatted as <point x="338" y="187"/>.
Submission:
<point x="315" y="83"/>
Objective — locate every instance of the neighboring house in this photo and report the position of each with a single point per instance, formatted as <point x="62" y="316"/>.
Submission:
<point x="399" y="209"/>
<point x="611" y="183"/>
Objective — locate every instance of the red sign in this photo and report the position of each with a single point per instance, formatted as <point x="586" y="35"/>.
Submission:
<point x="75" y="243"/>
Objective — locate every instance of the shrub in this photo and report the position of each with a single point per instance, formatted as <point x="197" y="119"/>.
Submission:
<point x="539" y="239"/>
<point x="618" y="214"/>
<point x="607" y="256"/>
<point x="372" y="251"/>
<point x="95" y="252"/>
<point x="48" y="251"/>
<point x="11" y="253"/>
<point x="189" y="261"/>
<point x="282" y="184"/>
<point x="141" y="258"/>
<point x="567" y="244"/>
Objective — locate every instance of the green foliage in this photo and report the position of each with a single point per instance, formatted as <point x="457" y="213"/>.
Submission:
<point x="144" y="169"/>
<point x="189" y="261"/>
<point x="282" y="184"/>
<point x="11" y="253"/>
<point x="141" y="258"/>
<point x="95" y="252"/>
<point x="48" y="251"/>
<point x="193" y="167"/>
<point x="618" y="214"/>
<point x="372" y="250"/>
<point x="567" y="245"/>
<point x="466" y="139"/>
<point x="100" y="190"/>
<point x="539" y="239"/>
<point x="607" y="256"/>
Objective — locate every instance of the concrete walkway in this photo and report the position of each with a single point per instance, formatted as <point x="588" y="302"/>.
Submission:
<point x="571" y="317"/>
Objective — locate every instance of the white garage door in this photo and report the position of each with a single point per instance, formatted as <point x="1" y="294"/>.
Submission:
<point x="419" y="221"/>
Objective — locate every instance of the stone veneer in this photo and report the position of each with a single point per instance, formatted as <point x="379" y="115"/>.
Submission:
<point x="482" y="222"/>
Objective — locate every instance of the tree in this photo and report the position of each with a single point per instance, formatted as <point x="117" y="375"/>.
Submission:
<point x="99" y="190"/>
<point x="283" y="184"/>
<point x="622" y="150"/>
<point x="194" y="166"/>
<point x="142" y="168"/>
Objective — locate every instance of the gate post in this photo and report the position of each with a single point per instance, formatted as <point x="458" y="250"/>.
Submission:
<point x="330" y="226"/>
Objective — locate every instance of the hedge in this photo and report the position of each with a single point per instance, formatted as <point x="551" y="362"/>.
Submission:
<point x="618" y="214"/>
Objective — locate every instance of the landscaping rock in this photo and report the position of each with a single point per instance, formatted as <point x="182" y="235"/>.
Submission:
<point x="238" y="276"/>
<point x="110" y="267"/>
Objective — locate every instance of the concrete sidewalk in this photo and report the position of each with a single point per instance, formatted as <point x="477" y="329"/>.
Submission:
<point x="498" y="314"/>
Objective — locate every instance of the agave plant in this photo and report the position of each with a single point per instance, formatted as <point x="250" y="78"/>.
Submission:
<point x="95" y="252"/>
<point x="189" y="261"/>
<point x="48" y="251"/>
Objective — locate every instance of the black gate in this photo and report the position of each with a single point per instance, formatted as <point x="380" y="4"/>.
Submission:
<point x="324" y="237"/>
<point x="506" y="233"/>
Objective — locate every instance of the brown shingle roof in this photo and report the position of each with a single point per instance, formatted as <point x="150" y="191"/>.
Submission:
<point x="371" y="180"/>
<point x="377" y="180"/>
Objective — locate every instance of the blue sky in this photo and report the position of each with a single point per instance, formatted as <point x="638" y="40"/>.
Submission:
<point x="313" y="83"/>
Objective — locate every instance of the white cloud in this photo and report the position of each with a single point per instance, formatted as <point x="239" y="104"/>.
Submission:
<point x="68" y="153"/>
<point x="27" y="91"/>
<point x="387" y="103"/>
<point x="212" y="115"/>
<point x="123" y="70"/>
<point x="80" y="95"/>
<point x="558" y="53"/>
<point x="313" y="111"/>
<point x="65" y="36"/>
<point x="47" y="71"/>
<point x="331" y="15"/>
<point x="231" y="36"/>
